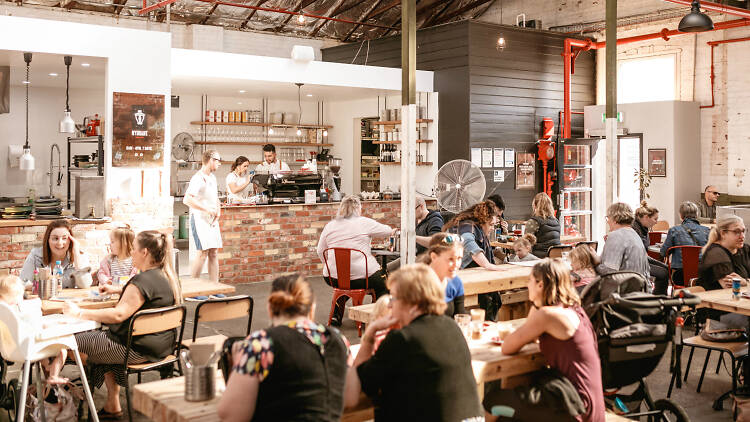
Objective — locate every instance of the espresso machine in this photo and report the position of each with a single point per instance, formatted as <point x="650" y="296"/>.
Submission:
<point x="334" y="164"/>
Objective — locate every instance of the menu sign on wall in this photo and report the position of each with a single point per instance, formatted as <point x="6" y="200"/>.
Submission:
<point x="138" y="130"/>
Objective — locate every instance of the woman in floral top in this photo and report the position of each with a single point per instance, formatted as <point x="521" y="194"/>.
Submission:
<point x="294" y="370"/>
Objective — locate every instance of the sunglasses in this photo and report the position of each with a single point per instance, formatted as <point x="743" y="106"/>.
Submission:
<point x="450" y="239"/>
<point x="714" y="193"/>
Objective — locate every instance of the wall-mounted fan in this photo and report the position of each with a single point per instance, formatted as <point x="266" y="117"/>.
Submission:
<point x="182" y="147"/>
<point x="459" y="184"/>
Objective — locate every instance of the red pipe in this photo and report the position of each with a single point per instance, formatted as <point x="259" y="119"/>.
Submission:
<point x="716" y="7"/>
<point x="713" y="45"/>
<point x="266" y="9"/>
<point x="569" y="54"/>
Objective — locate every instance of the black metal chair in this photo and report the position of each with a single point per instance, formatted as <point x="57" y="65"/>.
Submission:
<point x="557" y="251"/>
<point x="593" y="244"/>
<point x="220" y="310"/>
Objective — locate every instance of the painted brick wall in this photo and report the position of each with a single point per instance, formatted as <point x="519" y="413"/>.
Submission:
<point x="263" y="242"/>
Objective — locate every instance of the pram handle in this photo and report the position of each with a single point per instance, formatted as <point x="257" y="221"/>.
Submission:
<point x="685" y="299"/>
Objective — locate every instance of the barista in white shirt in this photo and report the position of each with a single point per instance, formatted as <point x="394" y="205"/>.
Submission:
<point x="238" y="180"/>
<point x="270" y="164"/>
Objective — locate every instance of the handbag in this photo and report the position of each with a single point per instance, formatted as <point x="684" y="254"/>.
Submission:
<point x="718" y="332"/>
<point x="60" y="403"/>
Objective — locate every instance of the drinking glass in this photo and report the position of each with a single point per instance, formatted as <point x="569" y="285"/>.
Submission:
<point x="463" y="321"/>
<point x="477" y="314"/>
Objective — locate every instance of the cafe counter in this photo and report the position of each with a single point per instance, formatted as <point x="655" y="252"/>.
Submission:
<point x="264" y="241"/>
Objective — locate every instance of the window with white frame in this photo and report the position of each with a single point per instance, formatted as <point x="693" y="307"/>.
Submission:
<point x="643" y="79"/>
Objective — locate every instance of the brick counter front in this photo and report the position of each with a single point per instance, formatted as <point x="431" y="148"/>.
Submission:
<point x="262" y="242"/>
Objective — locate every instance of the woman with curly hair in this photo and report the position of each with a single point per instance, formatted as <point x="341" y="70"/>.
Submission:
<point x="474" y="226"/>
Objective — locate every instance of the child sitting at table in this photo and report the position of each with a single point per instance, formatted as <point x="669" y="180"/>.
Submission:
<point x="11" y="294"/>
<point x="119" y="262"/>
<point x="583" y="260"/>
<point x="382" y="309"/>
<point x="522" y="248"/>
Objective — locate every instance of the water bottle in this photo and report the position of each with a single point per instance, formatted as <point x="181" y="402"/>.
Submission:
<point x="58" y="273"/>
<point x="35" y="283"/>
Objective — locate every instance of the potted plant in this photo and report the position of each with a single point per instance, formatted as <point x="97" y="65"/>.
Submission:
<point x="643" y="178"/>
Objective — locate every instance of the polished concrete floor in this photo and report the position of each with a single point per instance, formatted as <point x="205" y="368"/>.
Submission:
<point x="697" y="405"/>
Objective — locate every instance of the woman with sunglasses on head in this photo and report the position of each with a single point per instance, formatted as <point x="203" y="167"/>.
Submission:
<point x="444" y="257"/>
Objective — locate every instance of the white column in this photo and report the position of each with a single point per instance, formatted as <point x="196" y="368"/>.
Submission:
<point x="408" y="182"/>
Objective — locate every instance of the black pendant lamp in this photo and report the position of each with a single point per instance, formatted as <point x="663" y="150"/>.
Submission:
<point x="695" y="21"/>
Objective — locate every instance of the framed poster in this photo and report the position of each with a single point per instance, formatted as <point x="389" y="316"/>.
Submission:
<point x="525" y="170"/>
<point x="137" y="130"/>
<point x="657" y="162"/>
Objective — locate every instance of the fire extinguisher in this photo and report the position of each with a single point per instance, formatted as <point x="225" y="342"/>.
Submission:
<point x="547" y="152"/>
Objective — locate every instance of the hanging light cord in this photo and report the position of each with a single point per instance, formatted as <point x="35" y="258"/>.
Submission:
<point x="67" y="89"/>
<point x="299" y="103"/>
<point x="28" y="82"/>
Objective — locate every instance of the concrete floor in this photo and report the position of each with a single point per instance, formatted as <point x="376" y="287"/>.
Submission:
<point x="697" y="405"/>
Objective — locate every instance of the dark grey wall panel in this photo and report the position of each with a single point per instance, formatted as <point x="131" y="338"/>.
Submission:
<point x="489" y="98"/>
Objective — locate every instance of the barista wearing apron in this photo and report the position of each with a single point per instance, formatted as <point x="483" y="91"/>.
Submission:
<point x="202" y="197"/>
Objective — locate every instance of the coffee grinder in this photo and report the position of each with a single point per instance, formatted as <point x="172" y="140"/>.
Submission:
<point x="334" y="164"/>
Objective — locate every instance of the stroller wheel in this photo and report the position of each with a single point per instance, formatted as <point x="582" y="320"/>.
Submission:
<point x="11" y="399"/>
<point x="671" y="411"/>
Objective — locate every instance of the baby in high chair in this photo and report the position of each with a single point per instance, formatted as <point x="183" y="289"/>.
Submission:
<point x="11" y="294"/>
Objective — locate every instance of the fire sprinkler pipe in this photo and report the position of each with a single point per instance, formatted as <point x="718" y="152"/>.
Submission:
<point x="572" y="47"/>
<point x="147" y="9"/>
<point x="713" y="45"/>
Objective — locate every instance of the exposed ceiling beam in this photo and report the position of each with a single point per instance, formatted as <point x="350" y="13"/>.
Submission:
<point x="332" y="11"/>
<point x="436" y="14"/>
<point x="385" y="8"/>
<point x="461" y="10"/>
<point x="208" y="15"/>
<point x="251" y="14"/>
<point x="300" y="5"/>
<point x="483" y="11"/>
<point x="363" y="17"/>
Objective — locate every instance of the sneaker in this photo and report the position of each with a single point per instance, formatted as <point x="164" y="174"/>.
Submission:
<point x="197" y="299"/>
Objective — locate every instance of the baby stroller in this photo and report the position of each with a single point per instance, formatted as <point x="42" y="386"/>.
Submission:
<point x="8" y="392"/>
<point x="633" y="331"/>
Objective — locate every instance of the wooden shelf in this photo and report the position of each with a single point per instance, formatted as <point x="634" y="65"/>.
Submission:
<point x="301" y="125"/>
<point x="419" y="163"/>
<point x="372" y="179"/>
<point x="301" y="163"/>
<point x="419" y="141"/>
<point x="398" y="122"/>
<point x="370" y="139"/>
<point x="278" y="144"/>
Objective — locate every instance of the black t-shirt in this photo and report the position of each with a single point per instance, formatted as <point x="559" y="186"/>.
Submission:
<point x="431" y="224"/>
<point x="422" y="372"/>
<point x="717" y="262"/>
<point x="157" y="292"/>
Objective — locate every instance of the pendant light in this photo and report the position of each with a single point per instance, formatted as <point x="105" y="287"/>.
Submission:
<point x="695" y="21"/>
<point x="500" y="43"/>
<point x="67" y="125"/>
<point x="27" y="160"/>
<point x="299" y="104"/>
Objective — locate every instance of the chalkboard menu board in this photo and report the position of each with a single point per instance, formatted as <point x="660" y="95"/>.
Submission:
<point x="138" y="130"/>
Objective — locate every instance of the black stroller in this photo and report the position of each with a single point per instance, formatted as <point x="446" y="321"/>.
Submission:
<point x="634" y="329"/>
<point x="8" y="392"/>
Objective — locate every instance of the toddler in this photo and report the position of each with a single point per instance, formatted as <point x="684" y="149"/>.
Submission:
<point x="522" y="249"/>
<point x="583" y="260"/>
<point x="119" y="262"/>
<point x="382" y="309"/>
<point x="11" y="294"/>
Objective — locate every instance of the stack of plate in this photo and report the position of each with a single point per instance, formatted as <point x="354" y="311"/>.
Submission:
<point x="80" y="159"/>
<point x="48" y="208"/>
<point x="16" y="212"/>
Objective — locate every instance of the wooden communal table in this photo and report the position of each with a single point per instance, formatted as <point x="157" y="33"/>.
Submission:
<point x="165" y="401"/>
<point x="563" y="239"/>
<point x="476" y="281"/>
<point x="721" y="300"/>
<point x="190" y="287"/>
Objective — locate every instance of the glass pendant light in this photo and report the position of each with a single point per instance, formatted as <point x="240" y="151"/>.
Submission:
<point x="27" y="160"/>
<point x="67" y="124"/>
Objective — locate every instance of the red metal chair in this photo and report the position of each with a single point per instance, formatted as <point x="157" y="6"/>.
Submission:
<point x="343" y="259"/>
<point x="654" y="237"/>
<point x="690" y="261"/>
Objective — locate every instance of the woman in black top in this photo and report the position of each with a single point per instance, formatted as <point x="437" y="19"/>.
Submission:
<point x="725" y="255"/>
<point x="543" y="225"/>
<point x="155" y="286"/>
<point x="294" y="370"/>
<point x="421" y="372"/>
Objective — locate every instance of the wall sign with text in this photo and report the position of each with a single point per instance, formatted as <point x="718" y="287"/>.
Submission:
<point x="138" y="130"/>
